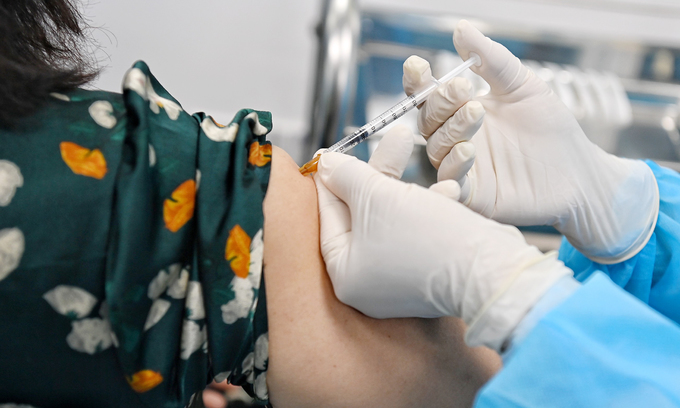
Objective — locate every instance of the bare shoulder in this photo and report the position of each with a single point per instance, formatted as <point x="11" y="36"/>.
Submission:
<point x="323" y="353"/>
<point x="290" y="201"/>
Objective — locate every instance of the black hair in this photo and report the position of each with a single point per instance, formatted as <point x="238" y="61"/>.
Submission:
<point x="41" y="51"/>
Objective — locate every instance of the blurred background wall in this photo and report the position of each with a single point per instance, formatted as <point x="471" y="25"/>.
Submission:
<point x="221" y="55"/>
<point x="215" y="56"/>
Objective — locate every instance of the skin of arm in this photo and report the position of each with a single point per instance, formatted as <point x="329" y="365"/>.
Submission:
<point x="324" y="353"/>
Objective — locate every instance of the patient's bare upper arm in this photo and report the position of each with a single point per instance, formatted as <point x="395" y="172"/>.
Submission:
<point x="323" y="353"/>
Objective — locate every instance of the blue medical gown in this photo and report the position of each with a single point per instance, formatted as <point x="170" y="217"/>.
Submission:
<point x="602" y="347"/>
<point x="653" y="275"/>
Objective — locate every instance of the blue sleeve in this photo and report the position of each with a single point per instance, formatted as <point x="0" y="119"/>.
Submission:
<point x="624" y="355"/>
<point x="653" y="275"/>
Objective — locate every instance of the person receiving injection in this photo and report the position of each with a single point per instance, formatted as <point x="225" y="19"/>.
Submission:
<point x="397" y="250"/>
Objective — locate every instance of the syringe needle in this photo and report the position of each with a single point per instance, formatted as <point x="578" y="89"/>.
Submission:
<point x="389" y="115"/>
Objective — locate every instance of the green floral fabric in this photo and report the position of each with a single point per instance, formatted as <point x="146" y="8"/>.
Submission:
<point x="131" y="250"/>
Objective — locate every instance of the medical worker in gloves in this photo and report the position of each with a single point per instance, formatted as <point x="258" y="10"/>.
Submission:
<point x="397" y="250"/>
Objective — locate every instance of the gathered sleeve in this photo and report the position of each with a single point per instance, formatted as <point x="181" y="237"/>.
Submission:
<point x="184" y="282"/>
<point x="131" y="250"/>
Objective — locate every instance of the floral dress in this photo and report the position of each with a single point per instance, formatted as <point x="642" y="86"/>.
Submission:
<point x="131" y="251"/>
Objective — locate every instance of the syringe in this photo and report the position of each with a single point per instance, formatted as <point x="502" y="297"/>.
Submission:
<point x="389" y="115"/>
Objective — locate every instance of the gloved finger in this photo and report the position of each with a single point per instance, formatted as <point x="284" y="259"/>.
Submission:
<point x="467" y="184"/>
<point x="335" y="223"/>
<point x="503" y="71"/>
<point x="417" y="74"/>
<point x="348" y="178"/>
<point x="457" y="163"/>
<point x="393" y="152"/>
<point x="459" y="128"/>
<point x="442" y="104"/>
<point x="447" y="188"/>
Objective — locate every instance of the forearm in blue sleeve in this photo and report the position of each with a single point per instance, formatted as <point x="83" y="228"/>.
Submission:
<point x="653" y="275"/>
<point x="599" y="347"/>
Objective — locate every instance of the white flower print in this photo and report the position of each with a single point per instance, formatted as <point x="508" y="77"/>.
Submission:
<point x="152" y="156"/>
<point x="243" y="301"/>
<point x="90" y="335"/>
<point x="192" y="338"/>
<point x="114" y="339"/>
<point x="260" y="386"/>
<point x="247" y="367"/>
<point x="60" y="96"/>
<point x="137" y="81"/>
<point x="256" y="258"/>
<point x="104" y="313"/>
<point x="254" y="306"/>
<point x="258" y="129"/>
<point x="11" y="250"/>
<point x="178" y="288"/>
<point x="10" y="180"/>
<point x="238" y="307"/>
<point x="104" y="310"/>
<point x="191" y="400"/>
<point x="158" y="285"/>
<point x="261" y="351"/>
<point x="171" y="108"/>
<point x="102" y="113"/>
<point x="194" y="301"/>
<point x="163" y="280"/>
<point x="70" y="301"/>
<point x="217" y="133"/>
<point x="174" y="271"/>
<point x="159" y="308"/>
<point x="198" y="179"/>
<point x="222" y="376"/>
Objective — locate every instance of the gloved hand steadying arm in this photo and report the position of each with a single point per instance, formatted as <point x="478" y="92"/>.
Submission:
<point x="533" y="165"/>
<point x="399" y="250"/>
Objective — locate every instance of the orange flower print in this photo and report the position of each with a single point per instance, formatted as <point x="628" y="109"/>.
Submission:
<point x="237" y="252"/>
<point x="83" y="161"/>
<point x="145" y="380"/>
<point x="260" y="154"/>
<point x="179" y="208"/>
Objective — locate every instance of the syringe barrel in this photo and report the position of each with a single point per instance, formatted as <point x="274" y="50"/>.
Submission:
<point x="387" y="117"/>
<point x="398" y="110"/>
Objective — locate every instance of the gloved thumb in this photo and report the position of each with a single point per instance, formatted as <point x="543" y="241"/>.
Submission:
<point x="335" y="226"/>
<point x="346" y="176"/>
<point x="341" y="183"/>
<point x="393" y="152"/>
<point x="417" y="74"/>
<point x="500" y="68"/>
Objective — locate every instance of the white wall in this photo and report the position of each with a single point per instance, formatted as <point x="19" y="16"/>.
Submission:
<point x="215" y="56"/>
<point x="219" y="56"/>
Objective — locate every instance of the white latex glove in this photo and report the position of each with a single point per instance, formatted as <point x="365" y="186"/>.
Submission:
<point x="391" y="155"/>
<point x="391" y="158"/>
<point x="534" y="165"/>
<point x="399" y="250"/>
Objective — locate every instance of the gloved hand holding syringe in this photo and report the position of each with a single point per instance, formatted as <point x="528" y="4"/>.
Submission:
<point x="390" y="115"/>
